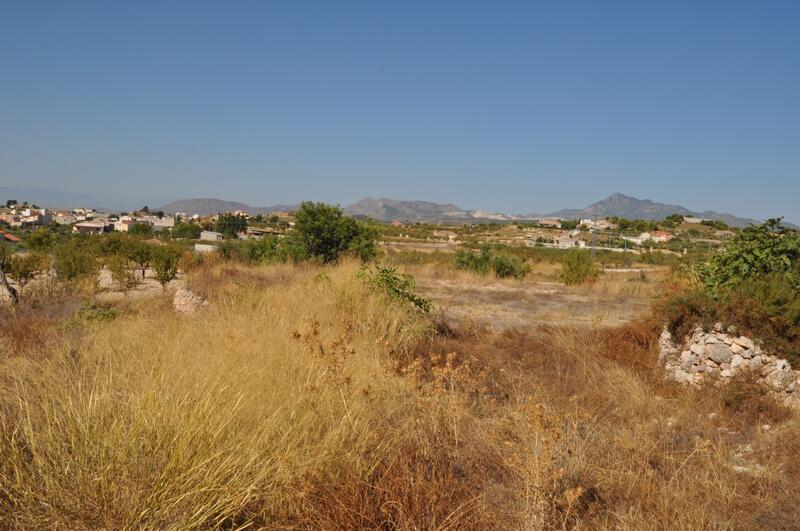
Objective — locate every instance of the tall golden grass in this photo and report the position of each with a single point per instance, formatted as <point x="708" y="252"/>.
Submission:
<point x="274" y="406"/>
<point x="298" y="398"/>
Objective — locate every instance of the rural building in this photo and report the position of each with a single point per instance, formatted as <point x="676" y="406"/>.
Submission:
<point x="91" y="227"/>
<point x="550" y="223"/>
<point x="210" y="235"/>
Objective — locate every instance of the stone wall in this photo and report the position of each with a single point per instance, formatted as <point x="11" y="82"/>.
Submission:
<point x="716" y="357"/>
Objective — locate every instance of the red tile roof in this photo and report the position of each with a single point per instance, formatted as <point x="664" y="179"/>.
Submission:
<point x="9" y="237"/>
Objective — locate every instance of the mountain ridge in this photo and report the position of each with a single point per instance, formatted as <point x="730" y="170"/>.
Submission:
<point x="628" y="207"/>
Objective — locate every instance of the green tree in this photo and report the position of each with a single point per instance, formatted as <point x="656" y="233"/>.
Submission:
<point x="119" y="267"/>
<point x="74" y="259"/>
<point x="140" y="229"/>
<point x="41" y="241"/>
<point x="24" y="268"/>
<point x="578" y="268"/>
<point x="140" y="253"/>
<point x="325" y="233"/>
<point x="229" y="225"/>
<point x="165" y="263"/>
<point x="189" y="231"/>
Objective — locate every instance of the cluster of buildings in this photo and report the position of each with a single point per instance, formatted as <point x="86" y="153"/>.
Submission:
<point x="25" y="216"/>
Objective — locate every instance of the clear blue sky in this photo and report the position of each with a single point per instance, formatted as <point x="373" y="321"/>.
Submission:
<point x="507" y="106"/>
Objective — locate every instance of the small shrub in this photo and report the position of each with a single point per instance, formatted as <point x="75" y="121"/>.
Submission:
<point x="578" y="268"/>
<point x="508" y="266"/>
<point x="396" y="286"/>
<point x="478" y="262"/>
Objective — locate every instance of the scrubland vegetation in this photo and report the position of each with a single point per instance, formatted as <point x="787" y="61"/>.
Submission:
<point x="315" y="393"/>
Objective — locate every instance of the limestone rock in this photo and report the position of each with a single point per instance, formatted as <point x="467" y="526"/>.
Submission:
<point x="720" y="353"/>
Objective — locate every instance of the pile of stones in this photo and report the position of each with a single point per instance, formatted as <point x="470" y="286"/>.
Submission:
<point x="717" y="356"/>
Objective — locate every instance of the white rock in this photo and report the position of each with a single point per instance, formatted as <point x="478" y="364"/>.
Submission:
<point x="710" y="340"/>
<point x="743" y="341"/>
<point x="683" y="377"/>
<point x="719" y="353"/>
<point x="726" y="373"/>
<point x="726" y="339"/>
<point x="736" y="348"/>
<point x="698" y="349"/>
<point x="736" y="361"/>
<point x="756" y="363"/>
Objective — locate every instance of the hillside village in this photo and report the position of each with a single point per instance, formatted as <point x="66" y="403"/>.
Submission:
<point x="676" y="233"/>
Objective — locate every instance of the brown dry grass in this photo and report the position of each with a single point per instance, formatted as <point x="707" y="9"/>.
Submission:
<point x="300" y="399"/>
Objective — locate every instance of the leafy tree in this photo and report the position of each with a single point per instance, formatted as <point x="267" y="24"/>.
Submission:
<point x="140" y="253"/>
<point x="190" y="231"/>
<point x="41" y="241"/>
<point x="74" y="259"/>
<point x="140" y="229"/>
<point x="119" y="266"/>
<point x="479" y="262"/>
<point x="229" y="225"/>
<point x="165" y="263"/>
<point x="755" y="252"/>
<point x="578" y="267"/>
<point x="325" y="233"/>
<point x="24" y="268"/>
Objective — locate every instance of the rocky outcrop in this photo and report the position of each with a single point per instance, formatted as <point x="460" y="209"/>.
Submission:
<point x="185" y="301"/>
<point x="716" y="357"/>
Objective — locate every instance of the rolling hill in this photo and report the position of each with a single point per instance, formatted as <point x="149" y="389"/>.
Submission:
<point x="624" y="206"/>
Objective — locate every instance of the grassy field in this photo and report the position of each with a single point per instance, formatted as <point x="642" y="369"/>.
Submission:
<point x="302" y="398"/>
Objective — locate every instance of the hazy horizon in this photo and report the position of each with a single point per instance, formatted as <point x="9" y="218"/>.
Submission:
<point x="521" y="109"/>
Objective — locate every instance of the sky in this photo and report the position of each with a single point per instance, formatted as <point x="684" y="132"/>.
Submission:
<point x="508" y="106"/>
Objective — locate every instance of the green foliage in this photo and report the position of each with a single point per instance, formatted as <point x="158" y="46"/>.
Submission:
<point x="396" y="286"/>
<point x="141" y="230"/>
<point x="119" y="267"/>
<point x="508" y="266"/>
<point x="325" y="233"/>
<point x="716" y="224"/>
<point x="578" y="268"/>
<point x="504" y="264"/>
<point x="229" y="225"/>
<point x="75" y="259"/>
<point x="753" y="285"/>
<point x="41" y="240"/>
<point x="754" y="252"/>
<point x="478" y="262"/>
<point x="189" y="231"/>
<point x="138" y="252"/>
<point x="93" y="312"/>
<point x="24" y="268"/>
<point x="165" y="263"/>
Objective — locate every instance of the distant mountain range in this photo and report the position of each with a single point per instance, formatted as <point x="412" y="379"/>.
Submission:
<point x="210" y="206"/>
<point x="384" y="209"/>
<point x="631" y="208"/>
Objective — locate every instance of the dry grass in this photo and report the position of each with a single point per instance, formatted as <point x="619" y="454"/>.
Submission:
<point x="299" y="399"/>
<point x="274" y="406"/>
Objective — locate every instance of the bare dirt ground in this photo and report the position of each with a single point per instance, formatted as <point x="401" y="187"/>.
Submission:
<point x="619" y="297"/>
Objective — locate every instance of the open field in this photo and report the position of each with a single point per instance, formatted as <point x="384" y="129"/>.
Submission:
<point x="301" y="398"/>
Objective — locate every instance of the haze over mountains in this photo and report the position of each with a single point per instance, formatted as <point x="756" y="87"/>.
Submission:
<point x="384" y="209"/>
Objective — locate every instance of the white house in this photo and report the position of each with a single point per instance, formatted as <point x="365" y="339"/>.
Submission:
<point x="210" y="235"/>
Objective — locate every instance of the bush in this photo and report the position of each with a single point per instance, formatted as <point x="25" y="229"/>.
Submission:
<point x="504" y="265"/>
<point x="578" y="268"/>
<point x="396" y="286"/>
<point x="752" y="285"/>
<point x="469" y="261"/>
<point x="507" y="266"/>
<point x="325" y="233"/>
<point x="166" y="259"/>
<point x="75" y="259"/>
